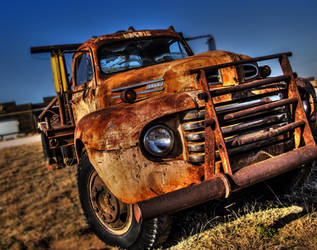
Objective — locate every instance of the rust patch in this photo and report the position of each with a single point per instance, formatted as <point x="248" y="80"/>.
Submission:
<point x="132" y="178"/>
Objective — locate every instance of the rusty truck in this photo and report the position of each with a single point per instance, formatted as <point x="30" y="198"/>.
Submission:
<point x="156" y="129"/>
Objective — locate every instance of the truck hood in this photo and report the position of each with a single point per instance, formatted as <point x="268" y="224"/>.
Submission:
<point x="169" y="77"/>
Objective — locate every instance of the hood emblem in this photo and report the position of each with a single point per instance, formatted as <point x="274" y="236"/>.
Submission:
<point x="150" y="86"/>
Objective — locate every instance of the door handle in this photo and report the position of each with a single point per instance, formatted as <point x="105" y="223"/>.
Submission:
<point x="85" y="93"/>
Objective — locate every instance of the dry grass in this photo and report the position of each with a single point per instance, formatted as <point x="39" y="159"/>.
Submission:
<point x="253" y="219"/>
<point x="39" y="209"/>
<point x="276" y="228"/>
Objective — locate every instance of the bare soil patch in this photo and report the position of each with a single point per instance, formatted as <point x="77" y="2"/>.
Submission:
<point x="39" y="209"/>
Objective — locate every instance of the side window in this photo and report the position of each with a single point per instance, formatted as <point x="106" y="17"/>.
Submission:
<point x="84" y="72"/>
<point x="177" y="50"/>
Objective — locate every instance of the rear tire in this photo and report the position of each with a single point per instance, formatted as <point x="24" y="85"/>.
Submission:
<point x="112" y="220"/>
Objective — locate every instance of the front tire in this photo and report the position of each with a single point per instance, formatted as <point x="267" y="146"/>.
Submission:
<point x="112" y="220"/>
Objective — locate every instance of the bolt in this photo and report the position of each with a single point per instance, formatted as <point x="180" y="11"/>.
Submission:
<point x="110" y="217"/>
<point x="112" y="208"/>
<point x="210" y="123"/>
<point x="203" y="96"/>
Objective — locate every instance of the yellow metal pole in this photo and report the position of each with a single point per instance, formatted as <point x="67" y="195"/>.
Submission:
<point x="63" y="72"/>
<point x="56" y="73"/>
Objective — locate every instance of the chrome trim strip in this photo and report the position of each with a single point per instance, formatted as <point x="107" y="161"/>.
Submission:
<point x="142" y="92"/>
<point x="196" y="147"/>
<point x="137" y="85"/>
<point x="149" y="91"/>
<point x="197" y="158"/>
<point x="214" y="83"/>
<point x="193" y="115"/>
<point x="194" y="125"/>
<point x="195" y="136"/>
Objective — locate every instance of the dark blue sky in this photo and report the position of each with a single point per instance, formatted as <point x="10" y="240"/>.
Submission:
<point x="254" y="28"/>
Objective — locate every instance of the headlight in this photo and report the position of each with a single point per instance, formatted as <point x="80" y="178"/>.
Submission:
<point x="158" y="140"/>
<point x="305" y="106"/>
<point x="305" y="100"/>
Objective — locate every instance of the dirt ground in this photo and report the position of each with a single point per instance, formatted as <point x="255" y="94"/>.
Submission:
<point x="20" y="141"/>
<point x="39" y="209"/>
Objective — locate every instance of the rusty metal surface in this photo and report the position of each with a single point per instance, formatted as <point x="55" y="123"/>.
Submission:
<point x="249" y="85"/>
<point x="274" y="166"/>
<point x="266" y="135"/>
<point x="298" y="110"/>
<point x="120" y="126"/>
<point x="111" y="137"/>
<point x="175" y="75"/>
<point x="111" y="130"/>
<point x="258" y="109"/>
<point x="219" y="186"/>
<point x="213" y="133"/>
<point x="131" y="177"/>
<point x="216" y="187"/>
<point x="49" y="106"/>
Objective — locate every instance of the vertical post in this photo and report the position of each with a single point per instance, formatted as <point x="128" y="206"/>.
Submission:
<point x="297" y="109"/>
<point x="63" y="71"/>
<point x="213" y="133"/>
<point x="61" y="109"/>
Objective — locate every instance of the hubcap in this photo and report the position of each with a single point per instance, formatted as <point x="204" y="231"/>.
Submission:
<point x="113" y="214"/>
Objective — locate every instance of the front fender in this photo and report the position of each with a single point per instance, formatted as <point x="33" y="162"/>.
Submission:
<point x="111" y="139"/>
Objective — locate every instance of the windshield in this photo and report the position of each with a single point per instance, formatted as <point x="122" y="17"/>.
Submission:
<point x="130" y="54"/>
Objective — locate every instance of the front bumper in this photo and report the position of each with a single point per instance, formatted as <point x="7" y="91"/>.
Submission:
<point x="220" y="185"/>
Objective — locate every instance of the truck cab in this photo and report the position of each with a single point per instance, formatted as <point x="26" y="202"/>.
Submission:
<point x="156" y="129"/>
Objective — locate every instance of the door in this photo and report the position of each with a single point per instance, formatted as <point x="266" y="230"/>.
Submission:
<point x="84" y="86"/>
<point x="9" y="128"/>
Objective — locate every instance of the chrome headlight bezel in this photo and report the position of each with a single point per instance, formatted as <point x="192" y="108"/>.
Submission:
<point x="155" y="147"/>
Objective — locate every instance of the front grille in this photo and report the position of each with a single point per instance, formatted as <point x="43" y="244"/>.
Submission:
<point x="238" y="128"/>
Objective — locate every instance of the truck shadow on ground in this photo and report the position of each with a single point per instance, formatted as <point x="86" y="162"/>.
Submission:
<point x="251" y="200"/>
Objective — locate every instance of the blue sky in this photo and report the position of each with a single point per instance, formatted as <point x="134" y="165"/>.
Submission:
<point x="254" y="28"/>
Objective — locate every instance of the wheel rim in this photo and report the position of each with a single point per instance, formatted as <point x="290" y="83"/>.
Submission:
<point x="113" y="214"/>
